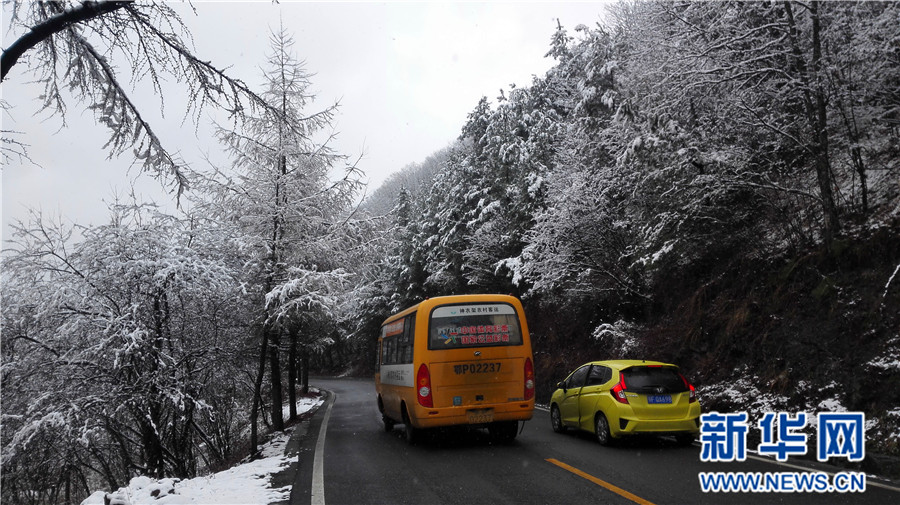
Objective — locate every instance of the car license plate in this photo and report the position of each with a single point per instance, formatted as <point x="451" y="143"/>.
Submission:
<point x="480" y="416"/>
<point x="659" y="399"/>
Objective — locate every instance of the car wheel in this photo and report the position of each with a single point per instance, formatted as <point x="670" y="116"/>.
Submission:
<point x="601" y="429"/>
<point x="556" y="420"/>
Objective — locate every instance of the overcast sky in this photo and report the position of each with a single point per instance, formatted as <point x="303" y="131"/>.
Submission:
<point x="406" y="74"/>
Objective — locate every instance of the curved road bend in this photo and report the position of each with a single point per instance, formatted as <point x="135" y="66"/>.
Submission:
<point x="365" y="465"/>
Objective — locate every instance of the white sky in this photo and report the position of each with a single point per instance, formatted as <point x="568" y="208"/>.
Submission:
<point x="406" y="75"/>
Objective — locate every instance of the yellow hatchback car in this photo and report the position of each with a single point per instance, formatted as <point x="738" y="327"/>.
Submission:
<point x="614" y="399"/>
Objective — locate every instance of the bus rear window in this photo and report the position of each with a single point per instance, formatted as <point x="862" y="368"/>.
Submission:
<point x="473" y="325"/>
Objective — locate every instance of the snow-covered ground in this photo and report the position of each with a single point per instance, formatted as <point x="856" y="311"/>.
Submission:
<point x="245" y="484"/>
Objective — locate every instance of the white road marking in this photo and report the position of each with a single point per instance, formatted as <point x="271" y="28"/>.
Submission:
<point x="869" y="481"/>
<point x="869" y="477"/>
<point x="318" y="478"/>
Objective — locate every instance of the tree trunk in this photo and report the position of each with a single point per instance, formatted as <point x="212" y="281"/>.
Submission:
<point x="257" y="393"/>
<point x="820" y="125"/>
<point x="856" y="157"/>
<point x="152" y="445"/>
<point x="292" y="373"/>
<point x="813" y="94"/>
<point x="860" y="165"/>
<point x="275" y="377"/>
<point x="183" y="446"/>
<point x="304" y="371"/>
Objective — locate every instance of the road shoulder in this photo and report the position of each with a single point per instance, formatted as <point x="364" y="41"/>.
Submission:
<point x="301" y="448"/>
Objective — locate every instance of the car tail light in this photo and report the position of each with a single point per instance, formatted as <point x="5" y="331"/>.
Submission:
<point x="690" y="388"/>
<point x="529" y="379"/>
<point x="618" y="391"/>
<point x="423" y="387"/>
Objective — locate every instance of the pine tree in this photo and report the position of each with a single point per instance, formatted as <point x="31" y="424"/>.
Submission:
<point x="283" y="210"/>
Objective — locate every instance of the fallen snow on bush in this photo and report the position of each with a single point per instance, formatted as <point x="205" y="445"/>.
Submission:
<point x="888" y="360"/>
<point x="245" y="484"/>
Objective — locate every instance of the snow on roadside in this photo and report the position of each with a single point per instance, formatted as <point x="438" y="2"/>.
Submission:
<point x="303" y="404"/>
<point x="245" y="484"/>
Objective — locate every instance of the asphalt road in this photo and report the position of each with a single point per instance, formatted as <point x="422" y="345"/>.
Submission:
<point x="359" y="463"/>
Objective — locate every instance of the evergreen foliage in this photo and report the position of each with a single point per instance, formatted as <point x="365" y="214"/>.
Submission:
<point x="644" y="193"/>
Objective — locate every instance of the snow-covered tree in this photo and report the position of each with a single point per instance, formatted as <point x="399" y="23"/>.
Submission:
<point x="285" y="213"/>
<point x="484" y="200"/>
<point x="115" y="347"/>
<point x="760" y="94"/>
<point x="78" y="50"/>
<point x="582" y="245"/>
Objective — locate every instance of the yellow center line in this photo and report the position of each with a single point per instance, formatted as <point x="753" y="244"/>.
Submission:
<point x="599" y="482"/>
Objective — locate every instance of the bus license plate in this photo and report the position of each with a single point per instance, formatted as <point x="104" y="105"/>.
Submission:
<point x="480" y="416"/>
<point x="659" y="399"/>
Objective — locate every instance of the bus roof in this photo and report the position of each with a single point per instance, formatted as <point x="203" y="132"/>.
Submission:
<point x="429" y="303"/>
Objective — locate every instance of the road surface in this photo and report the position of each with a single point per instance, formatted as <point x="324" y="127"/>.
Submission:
<point x="356" y="462"/>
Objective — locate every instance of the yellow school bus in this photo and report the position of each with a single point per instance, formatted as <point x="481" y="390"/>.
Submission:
<point x="456" y="360"/>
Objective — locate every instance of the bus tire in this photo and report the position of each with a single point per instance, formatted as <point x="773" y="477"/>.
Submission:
<point x="388" y="423"/>
<point x="410" y="432"/>
<point x="504" y="431"/>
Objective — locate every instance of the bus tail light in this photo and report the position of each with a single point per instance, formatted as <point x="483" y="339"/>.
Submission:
<point x="529" y="379"/>
<point x="423" y="387"/>
<point x="618" y="391"/>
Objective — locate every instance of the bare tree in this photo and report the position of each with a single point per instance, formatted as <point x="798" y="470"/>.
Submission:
<point x="78" y="47"/>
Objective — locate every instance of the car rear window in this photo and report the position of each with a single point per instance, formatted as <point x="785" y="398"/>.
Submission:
<point x="473" y="325"/>
<point x="649" y="379"/>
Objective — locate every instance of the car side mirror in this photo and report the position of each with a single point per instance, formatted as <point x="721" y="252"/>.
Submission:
<point x="561" y="385"/>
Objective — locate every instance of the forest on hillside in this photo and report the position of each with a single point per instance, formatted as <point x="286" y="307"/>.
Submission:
<point x="715" y="184"/>
<point x="711" y="184"/>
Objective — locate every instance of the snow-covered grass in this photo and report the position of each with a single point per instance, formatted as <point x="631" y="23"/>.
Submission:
<point x="748" y="392"/>
<point x="247" y="483"/>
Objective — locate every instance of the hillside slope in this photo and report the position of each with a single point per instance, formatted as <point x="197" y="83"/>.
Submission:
<point x="817" y="332"/>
